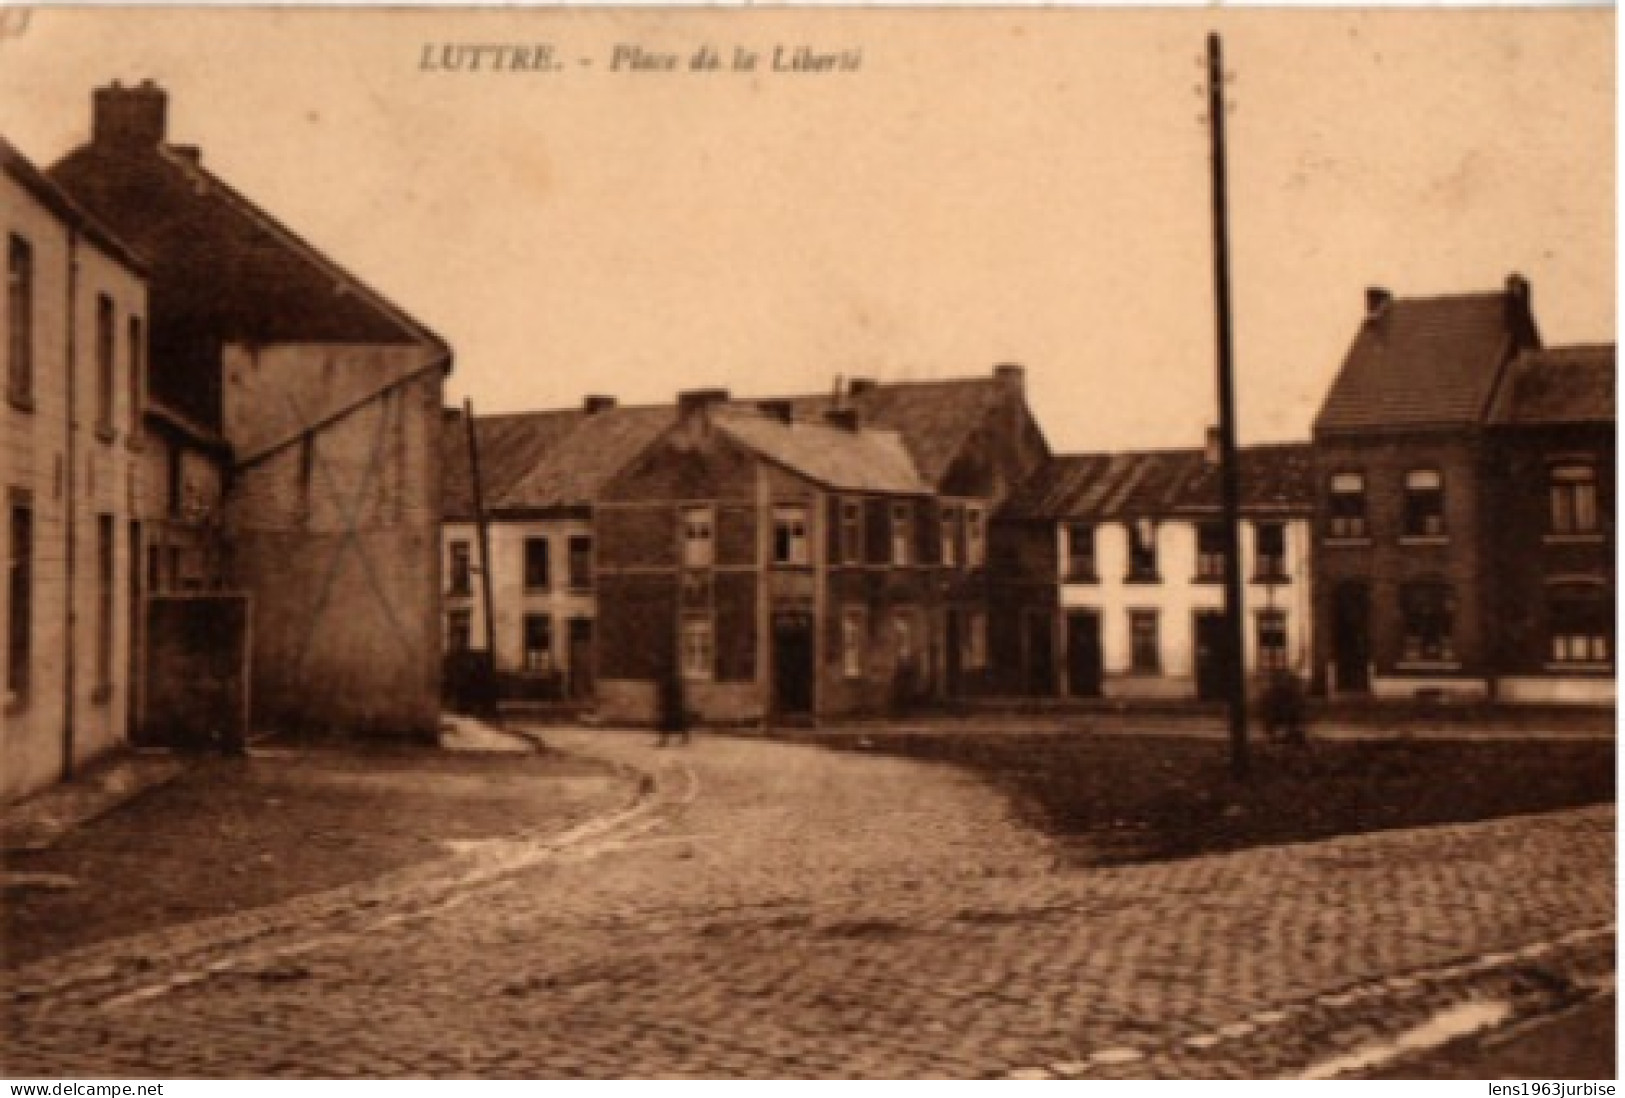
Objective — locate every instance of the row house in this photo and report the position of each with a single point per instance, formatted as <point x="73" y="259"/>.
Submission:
<point x="1462" y="476"/>
<point x="74" y="336"/>
<point x="1116" y="568"/>
<point x="971" y="441"/>
<point x="540" y="474"/>
<point x="781" y="567"/>
<point x="295" y="429"/>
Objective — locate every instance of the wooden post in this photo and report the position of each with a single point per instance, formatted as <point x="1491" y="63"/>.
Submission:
<point x="483" y="530"/>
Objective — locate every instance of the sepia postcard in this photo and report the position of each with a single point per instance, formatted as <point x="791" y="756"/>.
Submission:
<point x="808" y="543"/>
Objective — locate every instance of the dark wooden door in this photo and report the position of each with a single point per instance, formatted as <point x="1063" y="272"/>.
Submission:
<point x="581" y="658"/>
<point x="1351" y="637"/>
<point x="1083" y="659"/>
<point x="1212" y="655"/>
<point x="793" y="664"/>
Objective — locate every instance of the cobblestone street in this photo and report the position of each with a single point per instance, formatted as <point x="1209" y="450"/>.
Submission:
<point x="766" y="909"/>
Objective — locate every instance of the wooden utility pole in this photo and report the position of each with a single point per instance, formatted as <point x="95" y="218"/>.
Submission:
<point x="1235" y="662"/>
<point x="483" y="530"/>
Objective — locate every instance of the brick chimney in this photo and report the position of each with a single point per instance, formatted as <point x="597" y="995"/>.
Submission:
<point x="1011" y="377"/>
<point x="692" y="401"/>
<point x="129" y="118"/>
<point x="860" y="385"/>
<point x="1518" y="289"/>
<point x="847" y="419"/>
<point x="1376" y="300"/>
<point x="596" y="403"/>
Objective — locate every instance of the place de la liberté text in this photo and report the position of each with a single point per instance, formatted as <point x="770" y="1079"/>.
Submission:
<point x="629" y="58"/>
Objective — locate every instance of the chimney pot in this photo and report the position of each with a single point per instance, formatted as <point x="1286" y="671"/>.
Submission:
<point x="129" y="118"/>
<point x="1518" y="286"/>
<point x="596" y="403"/>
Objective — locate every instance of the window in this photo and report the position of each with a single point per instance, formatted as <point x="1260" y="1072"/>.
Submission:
<point x="538" y="650"/>
<point x="1142" y="551"/>
<point x="20" y="321"/>
<point x="975" y="537"/>
<point x="1272" y="640"/>
<point x="104" y="365"/>
<point x="902" y="519"/>
<point x="951" y="519"/>
<point x="176" y="481"/>
<point x="1269" y="550"/>
<point x="1210" y="552"/>
<point x="19" y="604"/>
<point x="1346" y="506"/>
<point x="1424" y="503"/>
<point x="698" y="540"/>
<point x="1582" y="625"/>
<point x="461" y="569"/>
<point x="538" y="565"/>
<point x="698" y="652"/>
<point x="854" y="633"/>
<point x="1080" y="552"/>
<point x="137" y="379"/>
<point x="580" y="548"/>
<point x="790" y="542"/>
<point x="1144" y="653"/>
<point x="460" y="630"/>
<point x="104" y="600"/>
<point x="851" y="531"/>
<point x="1572" y="487"/>
<point x="903" y="638"/>
<point x="1428" y="613"/>
<point x="696" y="590"/>
<point x="974" y="655"/>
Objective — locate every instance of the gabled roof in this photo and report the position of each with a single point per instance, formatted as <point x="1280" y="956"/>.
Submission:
<point x="23" y="172"/>
<point x="863" y="460"/>
<point x="1559" y="385"/>
<point x="934" y="418"/>
<point x="1105" y="486"/>
<point x="596" y="446"/>
<point x="1427" y="362"/>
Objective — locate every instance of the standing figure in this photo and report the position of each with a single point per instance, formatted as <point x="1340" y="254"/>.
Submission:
<point x="673" y="717"/>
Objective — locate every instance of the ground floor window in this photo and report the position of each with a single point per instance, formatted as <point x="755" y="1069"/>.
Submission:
<point x="459" y="630"/>
<point x="1582" y="626"/>
<point x="975" y="644"/>
<point x="854" y="632"/>
<point x="1144" y="651"/>
<point x="1272" y="654"/>
<point x="1428" y="613"/>
<point x="698" y="648"/>
<point x="538" y="653"/>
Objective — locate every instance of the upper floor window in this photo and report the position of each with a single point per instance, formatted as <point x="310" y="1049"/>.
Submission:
<point x="1581" y="625"/>
<point x="1269" y="550"/>
<point x="1345" y="516"/>
<point x="538" y="565"/>
<point x="1210" y="551"/>
<point x="791" y="545"/>
<point x="851" y="531"/>
<point x="902" y="523"/>
<point x="104" y="364"/>
<point x="699" y="541"/>
<point x="975" y="536"/>
<point x="1424" y="503"/>
<point x="1080" y="551"/>
<point x="951" y="518"/>
<point x="461" y="569"/>
<point x="1142" y="551"/>
<point x="1572" y="489"/>
<point x="580" y="563"/>
<point x="20" y="320"/>
<point x="1428" y="619"/>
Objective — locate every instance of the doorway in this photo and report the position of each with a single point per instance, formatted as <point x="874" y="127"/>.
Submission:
<point x="1351" y="637"/>
<point x="581" y="658"/>
<point x="792" y="663"/>
<point x="1212" y="655"/>
<point x="1083" y="656"/>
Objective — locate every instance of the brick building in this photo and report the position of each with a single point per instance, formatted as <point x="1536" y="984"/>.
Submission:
<point x="1124" y="556"/>
<point x="1445" y="563"/>
<point x="1551" y="487"/>
<point x="70" y="436"/>
<point x="329" y="399"/>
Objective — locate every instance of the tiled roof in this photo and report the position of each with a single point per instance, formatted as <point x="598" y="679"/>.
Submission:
<point x="509" y="445"/>
<point x="1424" y="362"/>
<point x="1559" y="385"/>
<point x="1097" y="487"/>
<point x="596" y="447"/>
<point x="933" y="417"/>
<point x="862" y="460"/>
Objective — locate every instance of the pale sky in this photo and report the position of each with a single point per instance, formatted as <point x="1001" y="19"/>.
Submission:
<point x="989" y="186"/>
